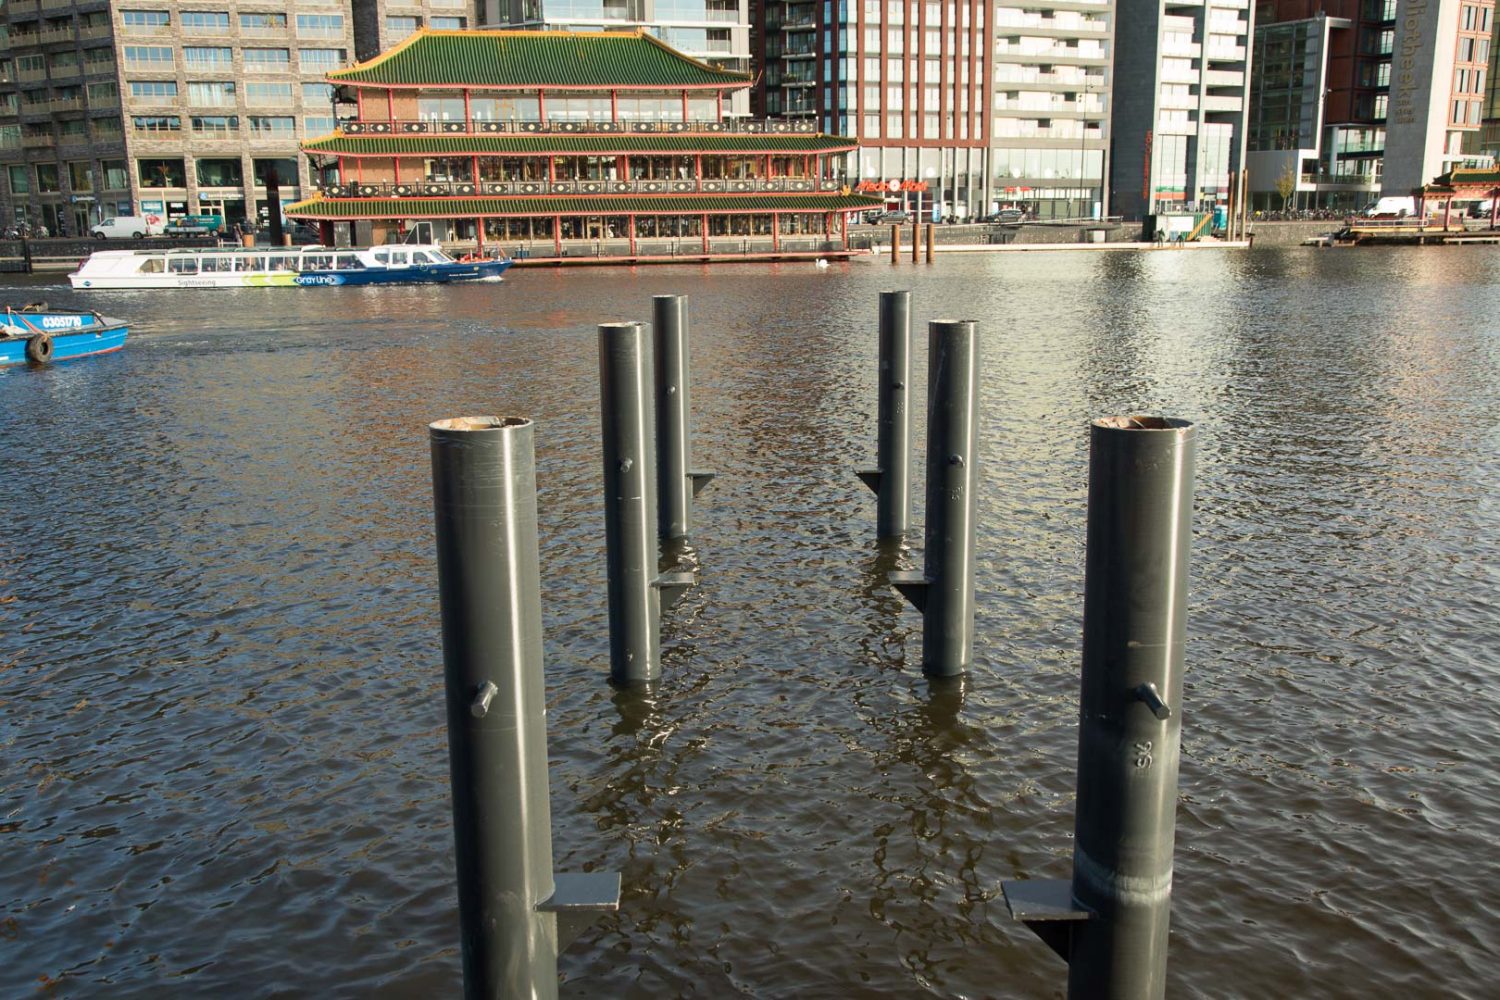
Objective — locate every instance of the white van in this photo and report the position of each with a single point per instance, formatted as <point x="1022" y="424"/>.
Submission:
<point x="1391" y="207"/>
<point x="128" y="227"/>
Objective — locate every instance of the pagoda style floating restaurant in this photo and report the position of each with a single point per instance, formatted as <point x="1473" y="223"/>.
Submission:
<point x="573" y="145"/>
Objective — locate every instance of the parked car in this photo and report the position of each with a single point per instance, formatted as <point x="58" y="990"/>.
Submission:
<point x="128" y="227"/>
<point x="1006" y="217"/>
<point x="896" y="218"/>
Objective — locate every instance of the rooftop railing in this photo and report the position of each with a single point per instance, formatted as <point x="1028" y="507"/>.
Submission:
<point x="470" y="189"/>
<point x="476" y="126"/>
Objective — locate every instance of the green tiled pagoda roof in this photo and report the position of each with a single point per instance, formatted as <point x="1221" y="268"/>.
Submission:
<point x="1467" y="177"/>
<point x="446" y="208"/>
<point x="529" y="59"/>
<point x="521" y="145"/>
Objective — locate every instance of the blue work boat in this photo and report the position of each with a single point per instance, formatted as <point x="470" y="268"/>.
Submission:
<point x="37" y="335"/>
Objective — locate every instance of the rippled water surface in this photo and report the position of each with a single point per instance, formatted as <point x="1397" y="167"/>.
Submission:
<point x="223" y="764"/>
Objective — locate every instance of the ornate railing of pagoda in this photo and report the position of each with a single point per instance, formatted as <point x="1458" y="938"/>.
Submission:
<point x="437" y="189"/>
<point x="475" y="126"/>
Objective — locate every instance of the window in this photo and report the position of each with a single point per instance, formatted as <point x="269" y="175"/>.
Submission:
<point x="74" y="130"/>
<point x="267" y="60"/>
<point x="116" y="178"/>
<point x="263" y="24"/>
<point x="47" y="178"/>
<point x="203" y="22"/>
<point x="81" y="176"/>
<point x="220" y="173"/>
<point x="156" y="123"/>
<point x="207" y="57"/>
<point x="284" y="169"/>
<point x="148" y="56"/>
<point x="107" y="129"/>
<point x="102" y="94"/>
<point x="314" y="125"/>
<point x="216" y="124"/>
<point x="157" y="173"/>
<point x="320" y="25"/>
<point x="154" y="91"/>
<point x="317" y="93"/>
<point x="397" y="28"/>
<point x="20" y="181"/>
<point x="271" y="124"/>
<point x="447" y="23"/>
<point x="144" y="21"/>
<point x="100" y="58"/>
<point x="319" y="60"/>
<point x="211" y="93"/>
<point x="263" y="94"/>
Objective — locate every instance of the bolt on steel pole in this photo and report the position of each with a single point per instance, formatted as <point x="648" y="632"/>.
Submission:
<point x="484" y="499"/>
<point x="1116" y="910"/>
<point x="677" y="483"/>
<point x="944" y="590"/>
<point x="890" y="479"/>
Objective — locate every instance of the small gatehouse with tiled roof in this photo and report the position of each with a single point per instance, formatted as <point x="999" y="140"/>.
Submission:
<point x="558" y="143"/>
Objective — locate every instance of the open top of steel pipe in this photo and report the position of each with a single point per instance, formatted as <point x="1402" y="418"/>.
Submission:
<point x="1141" y="423"/>
<point x="477" y="423"/>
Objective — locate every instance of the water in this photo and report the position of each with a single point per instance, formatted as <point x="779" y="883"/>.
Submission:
<point x="222" y="755"/>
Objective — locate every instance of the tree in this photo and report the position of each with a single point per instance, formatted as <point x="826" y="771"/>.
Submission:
<point x="1286" y="185"/>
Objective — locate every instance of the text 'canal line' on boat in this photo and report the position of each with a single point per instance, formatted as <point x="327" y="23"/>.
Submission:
<point x="36" y="336"/>
<point x="293" y="267"/>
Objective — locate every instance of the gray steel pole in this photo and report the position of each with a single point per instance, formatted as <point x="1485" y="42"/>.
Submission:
<point x="944" y="590"/>
<point x="484" y="498"/>
<point x="1117" y="907"/>
<point x="635" y="589"/>
<point x="891" y="479"/>
<point x="677" y="483"/>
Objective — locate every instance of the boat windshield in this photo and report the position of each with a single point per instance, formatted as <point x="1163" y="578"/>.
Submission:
<point x="440" y="256"/>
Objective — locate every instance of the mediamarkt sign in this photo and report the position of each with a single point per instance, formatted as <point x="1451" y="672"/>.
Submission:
<point x="892" y="186"/>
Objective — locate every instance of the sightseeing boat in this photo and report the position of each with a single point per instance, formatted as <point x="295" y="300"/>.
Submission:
<point x="309" y="266"/>
<point x="38" y="336"/>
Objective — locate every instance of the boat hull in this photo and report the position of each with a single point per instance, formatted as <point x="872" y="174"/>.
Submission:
<point x="73" y="336"/>
<point x="414" y="274"/>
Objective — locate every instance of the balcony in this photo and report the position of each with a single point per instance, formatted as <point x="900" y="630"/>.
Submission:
<point x="31" y="75"/>
<point x="469" y="189"/>
<point x="752" y="126"/>
<point x="1221" y="103"/>
<point x="96" y="32"/>
<point x="21" y="8"/>
<point x="56" y="4"/>
<point x="1226" y="53"/>
<point x="53" y="35"/>
<point x="37" y="142"/>
<point x="67" y="104"/>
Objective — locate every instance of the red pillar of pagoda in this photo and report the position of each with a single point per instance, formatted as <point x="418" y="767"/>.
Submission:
<point x="632" y="234"/>
<point x="1447" y="211"/>
<point x="557" y="234"/>
<point x="1494" y="207"/>
<point x="776" y="232"/>
<point x="705" y="232"/>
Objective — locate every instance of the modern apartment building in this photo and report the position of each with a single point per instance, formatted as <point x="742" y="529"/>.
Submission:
<point x="909" y="79"/>
<point x="1049" y="139"/>
<point x="716" y="32"/>
<point x="382" y="24"/>
<point x="1181" y="82"/>
<point x="1352" y="99"/>
<point x="161" y="107"/>
<point x="1440" y="61"/>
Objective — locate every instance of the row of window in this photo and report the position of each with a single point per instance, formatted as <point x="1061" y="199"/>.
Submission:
<point x="221" y="93"/>
<point x="201" y="57"/>
<point x="151" y="172"/>
<point x="399" y="27"/>
<point x="308" y="25"/>
<point x="256" y="125"/>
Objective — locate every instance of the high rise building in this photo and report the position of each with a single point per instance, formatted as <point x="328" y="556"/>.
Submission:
<point x="1049" y="136"/>
<point x="909" y="79"/>
<point x="1181" y="79"/>
<point x="1352" y="99"/>
<point x="161" y="107"/>
<point x="716" y="32"/>
<point x="1441" y="55"/>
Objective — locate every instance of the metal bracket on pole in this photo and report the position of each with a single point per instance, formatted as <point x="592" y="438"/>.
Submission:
<point x="672" y="586"/>
<point x="1047" y="907"/>
<point x="700" y="480"/>
<point x="871" y="478"/>
<point x="577" y="899"/>
<point x="912" y="585"/>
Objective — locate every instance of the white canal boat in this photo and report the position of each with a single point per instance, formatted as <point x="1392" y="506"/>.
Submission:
<point x="229" y="267"/>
